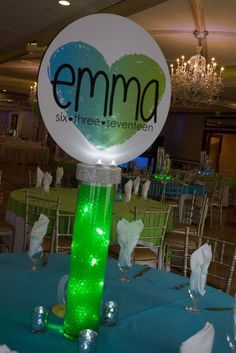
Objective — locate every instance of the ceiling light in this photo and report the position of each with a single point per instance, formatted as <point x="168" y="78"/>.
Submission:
<point x="33" y="94"/>
<point x="194" y="80"/>
<point x="64" y="2"/>
<point x="4" y="90"/>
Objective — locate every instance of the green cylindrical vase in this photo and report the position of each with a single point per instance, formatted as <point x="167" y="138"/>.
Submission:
<point x="89" y="248"/>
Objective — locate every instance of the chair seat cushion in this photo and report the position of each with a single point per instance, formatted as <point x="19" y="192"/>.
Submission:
<point x="177" y="240"/>
<point x="171" y="202"/>
<point x="181" y="228"/>
<point x="140" y="253"/>
<point x="144" y="254"/>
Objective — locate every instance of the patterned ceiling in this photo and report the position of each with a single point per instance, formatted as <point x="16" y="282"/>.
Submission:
<point x="170" y="22"/>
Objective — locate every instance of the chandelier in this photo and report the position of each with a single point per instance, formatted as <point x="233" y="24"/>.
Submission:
<point x="195" y="81"/>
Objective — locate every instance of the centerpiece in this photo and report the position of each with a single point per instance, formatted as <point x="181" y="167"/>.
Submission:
<point x="104" y="94"/>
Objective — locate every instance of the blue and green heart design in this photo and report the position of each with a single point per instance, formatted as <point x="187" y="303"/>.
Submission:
<point x="110" y="130"/>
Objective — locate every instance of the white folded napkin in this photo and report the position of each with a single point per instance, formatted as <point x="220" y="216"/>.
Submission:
<point x="128" y="190"/>
<point x="145" y="189"/>
<point x="136" y="184"/>
<point x="6" y="349"/>
<point x="47" y="179"/>
<point x="37" y="234"/>
<point x="59" y="175"/>
<point x="202" y="341"/>
<point x="128" y="235"/>
<point x="199" y="263"/>
<point x="39" y="177"/>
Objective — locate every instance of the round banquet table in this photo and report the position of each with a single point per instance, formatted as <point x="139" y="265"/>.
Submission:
<point x="152" y="317"/>
<point x="17" y="151"/>
<point x="156" y="188"/>
<point x="16" y="209"/>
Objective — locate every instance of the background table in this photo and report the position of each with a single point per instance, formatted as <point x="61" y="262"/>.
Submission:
<point x="16" y="209"/>
<point x="17" y="151"/>
<point x="152" y="317"/>
<point x="156" y="187"/>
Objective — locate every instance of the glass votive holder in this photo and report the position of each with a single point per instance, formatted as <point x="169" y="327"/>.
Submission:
<point x="39" y="319"/>
<point x="87" y="341"/>
<point x="127" y="198"/>
<point x="109" y="314"/>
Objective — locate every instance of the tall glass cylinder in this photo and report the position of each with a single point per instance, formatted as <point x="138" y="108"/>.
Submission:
<point x="160" y="160"/>
<point x="89" y="248"/>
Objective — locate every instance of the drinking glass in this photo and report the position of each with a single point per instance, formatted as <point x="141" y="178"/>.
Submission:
<point x="196" y="297"/>
<point x="231" y="331"/>
<point x="59" y="309"/>
<point x="36" y="260"/>
<point x="124" y="267"/>
<point x="127" y="198"/>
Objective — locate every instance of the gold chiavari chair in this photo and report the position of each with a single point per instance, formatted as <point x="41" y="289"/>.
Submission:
<point x="63" y="236"/>
<point x="222" y="267"/>
<point x="34" y="206"/>
<point x="174" y="242"/>
<point x="171" y="193"/>
<point x="32" y="178"/>
<point x="148" y="251"/>
<point x="216" y="202"/>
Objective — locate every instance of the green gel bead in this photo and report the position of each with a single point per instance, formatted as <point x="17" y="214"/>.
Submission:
<point x="88" y="259"/>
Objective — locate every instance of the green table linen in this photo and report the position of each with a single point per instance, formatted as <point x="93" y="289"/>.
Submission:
<point x="16" y="204"/>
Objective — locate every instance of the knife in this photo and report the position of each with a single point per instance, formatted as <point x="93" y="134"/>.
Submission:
<point x="219" y="308"/>
<point x="140" y="273"/>
<point x="182" y="285"/>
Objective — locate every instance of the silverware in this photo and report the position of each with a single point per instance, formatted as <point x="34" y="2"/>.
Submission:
<point x="140" y="273"/>
<point x="181" y="285"/>
<point x="218" y="308"/>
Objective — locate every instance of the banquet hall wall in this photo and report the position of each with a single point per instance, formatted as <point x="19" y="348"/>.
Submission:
<point x="183" y="135"/>
<point x="27" y="123"/>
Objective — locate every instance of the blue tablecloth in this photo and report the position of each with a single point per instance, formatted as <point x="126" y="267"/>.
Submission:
<point x="156" y="188"/>
<point x="152" y="316"/>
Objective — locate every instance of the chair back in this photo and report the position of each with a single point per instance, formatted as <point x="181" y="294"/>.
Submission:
<point x="186" y="205"/>
<point x="63" y="236"/>
<point x="32" y="178"/>
<point x="192" y="211"/>
<point x="69" y="177"/>
<point x="222" y="266"/>
<point x="217" y="195"/>
<point x="210" y="184"/>
<point x="172" y="189"/>
<point x="155" y="223"/>
<point x="216" y="201"/>
<point x="34" y="206"/>
<point x="199" y="214"/>
<point x="154" y="190"/>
